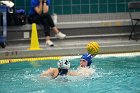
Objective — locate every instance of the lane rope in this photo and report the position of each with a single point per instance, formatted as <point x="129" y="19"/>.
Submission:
<point x="5" y="61"/>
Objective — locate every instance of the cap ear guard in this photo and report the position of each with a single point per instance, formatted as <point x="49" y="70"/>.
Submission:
<point x="63" y="64"/>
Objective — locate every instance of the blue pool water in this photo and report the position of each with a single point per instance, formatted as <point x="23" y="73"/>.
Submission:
<point x="113" y="75"/>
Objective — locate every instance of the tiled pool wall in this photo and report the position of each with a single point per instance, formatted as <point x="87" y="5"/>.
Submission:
<point x="66" y="7"/>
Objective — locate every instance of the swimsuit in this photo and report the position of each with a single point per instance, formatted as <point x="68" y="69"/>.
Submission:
<point x="62" y="71"/>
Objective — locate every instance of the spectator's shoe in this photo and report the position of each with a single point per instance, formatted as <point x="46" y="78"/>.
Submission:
<point x="50" y="43"/>
<point x="60" y="35"/>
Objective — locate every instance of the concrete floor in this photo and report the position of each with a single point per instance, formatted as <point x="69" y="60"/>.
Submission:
<point x="111" y="31"/>
<point x="72" y="45"/>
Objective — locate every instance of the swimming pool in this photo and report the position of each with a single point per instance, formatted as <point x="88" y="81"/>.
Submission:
<point x="114" y="74"/>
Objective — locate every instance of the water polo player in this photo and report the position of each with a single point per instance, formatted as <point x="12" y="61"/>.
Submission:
<point x="63" y="66"/>
<point x="86" y="60"/>
<point x="84" y="67"/>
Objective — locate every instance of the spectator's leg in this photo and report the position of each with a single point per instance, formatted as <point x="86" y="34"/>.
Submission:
<point x="46" y="26"/>
<point x="54" y="28"/>
<point x="48" y="18"/>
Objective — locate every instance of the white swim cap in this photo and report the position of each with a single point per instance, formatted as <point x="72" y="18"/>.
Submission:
<point x="63" y="63"/>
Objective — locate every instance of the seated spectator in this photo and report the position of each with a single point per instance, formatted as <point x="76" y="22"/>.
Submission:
<point x="39" y="14"/>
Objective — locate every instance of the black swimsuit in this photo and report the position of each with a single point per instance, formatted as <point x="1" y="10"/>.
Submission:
<point x="62" y="72"/>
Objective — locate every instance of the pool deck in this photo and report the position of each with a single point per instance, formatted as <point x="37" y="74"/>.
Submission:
<point x="110" y="31"/>
<point x="71" y="45"/>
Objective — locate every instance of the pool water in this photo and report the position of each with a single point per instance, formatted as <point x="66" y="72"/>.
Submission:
<point x="113" y="75"/>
